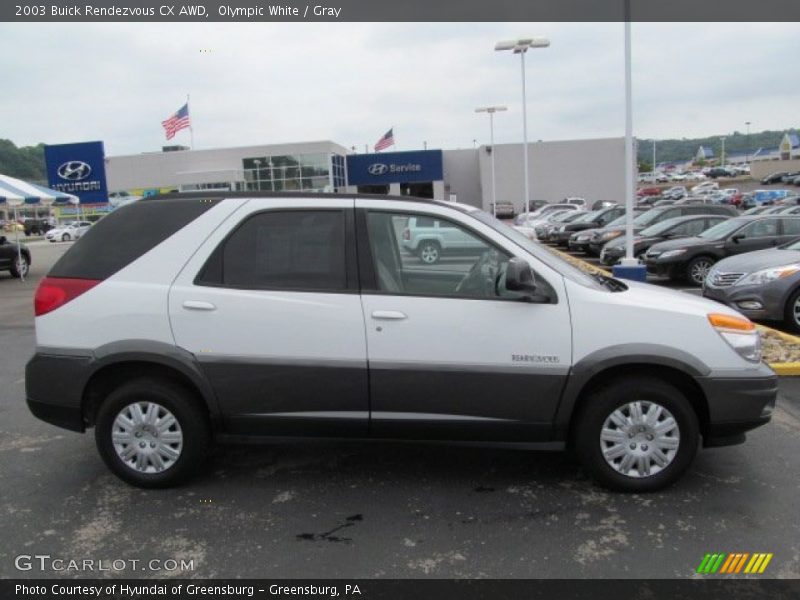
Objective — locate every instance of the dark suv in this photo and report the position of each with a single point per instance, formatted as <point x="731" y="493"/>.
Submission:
<point x="599" y="218"/>
<point x="37" y="227"/>
<point x="692" y="258"/>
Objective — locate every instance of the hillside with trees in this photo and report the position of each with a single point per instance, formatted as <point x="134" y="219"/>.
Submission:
<point x="25" y="163"/>
<point x="685" y="149"/>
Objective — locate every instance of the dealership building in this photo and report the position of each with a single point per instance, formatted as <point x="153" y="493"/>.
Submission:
<point x="592" y="169"/>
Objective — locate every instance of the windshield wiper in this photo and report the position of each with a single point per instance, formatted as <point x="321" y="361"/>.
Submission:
<point x="614" y="285"/>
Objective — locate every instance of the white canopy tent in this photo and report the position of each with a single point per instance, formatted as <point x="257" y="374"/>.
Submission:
<point x="15" y="193"/>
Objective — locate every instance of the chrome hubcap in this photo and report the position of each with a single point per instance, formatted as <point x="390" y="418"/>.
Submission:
<point x="147" y="437"/>
<point x="21" y="266"/>
<point x="640" y="439"/>
<point x="796" y="311"/>
<point x="430" y="254"/>
<point x="700" y="271"/>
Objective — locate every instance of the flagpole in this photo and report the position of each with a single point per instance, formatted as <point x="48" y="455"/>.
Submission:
<point x="191" y="129"/>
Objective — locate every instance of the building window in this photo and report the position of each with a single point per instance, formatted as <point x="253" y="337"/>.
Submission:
<point x="294" y="172"/>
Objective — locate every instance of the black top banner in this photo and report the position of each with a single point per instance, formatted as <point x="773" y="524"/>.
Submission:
<point x="401" y="10"/>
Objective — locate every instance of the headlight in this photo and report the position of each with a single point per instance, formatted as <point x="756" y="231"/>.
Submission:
<point x="739" y="333"/>
<point x="671" y="253"/>
<point x="610" y="235"/>
<point x="581" y="238"/>
<point x="767" y="275"/>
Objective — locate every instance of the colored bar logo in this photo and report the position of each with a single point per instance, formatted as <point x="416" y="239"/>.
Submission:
<point x="737" y="562"/>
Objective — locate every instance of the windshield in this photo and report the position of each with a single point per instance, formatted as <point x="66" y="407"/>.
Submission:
<point x="564" y="216"/>
<point x="547" y="257"/>
<point x="617" y="222"/>
<point x="717" y="232"/>
<point x="659" y="228"/>
<point x="646" y="218"/>
<point x="587" y="217"/>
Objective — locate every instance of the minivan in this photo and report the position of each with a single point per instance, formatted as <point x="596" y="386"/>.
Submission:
<point x="254" y="316"/>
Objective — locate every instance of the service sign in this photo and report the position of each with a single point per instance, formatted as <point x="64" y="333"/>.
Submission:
<point x="78" y="169"/>
<point x="394" y="167"/>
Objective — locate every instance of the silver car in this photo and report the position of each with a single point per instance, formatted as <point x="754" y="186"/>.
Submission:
<point x="68" y="232"/>
<point x="761" y="285"/>
<point x="430" y="239"/>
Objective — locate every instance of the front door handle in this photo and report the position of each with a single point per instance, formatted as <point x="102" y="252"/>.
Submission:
<point x="198" y="305"/>
<point x="389" y="315"/>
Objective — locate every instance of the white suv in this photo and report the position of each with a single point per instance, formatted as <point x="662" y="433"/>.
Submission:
<point x="248" y="316"/>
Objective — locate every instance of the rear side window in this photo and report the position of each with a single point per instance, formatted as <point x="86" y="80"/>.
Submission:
<point x="282" y="250"/>
<point x="791" y="226"/>
<point x="120" y="238"/>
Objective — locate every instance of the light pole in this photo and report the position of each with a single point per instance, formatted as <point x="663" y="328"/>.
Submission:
<point x="722" y="157"/>
<point x="491" y="110"/>
<point x="748" y="141"/>
<point x="258" y="174"/>
<point x="520" y="47"/>
<point x="654" y="160"/>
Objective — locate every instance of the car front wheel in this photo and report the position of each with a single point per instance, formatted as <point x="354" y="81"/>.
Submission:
<point x="151" y="433"/>
<point x="698" y="268"/>
<point x="791" y="313"/>
<point x="66" y="237"/>
<point x="636" y="435"/>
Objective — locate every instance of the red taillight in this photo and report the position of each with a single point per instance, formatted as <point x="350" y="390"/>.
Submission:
<point x="54" y="292"/>
<point x="406" y="234"/>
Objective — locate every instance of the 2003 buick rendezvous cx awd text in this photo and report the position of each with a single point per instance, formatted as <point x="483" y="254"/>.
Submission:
<point x="176" y="321"/>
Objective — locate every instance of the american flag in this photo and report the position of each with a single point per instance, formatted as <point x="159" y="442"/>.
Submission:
<point x="176" y="122"/>
<point x="385" y="141"/>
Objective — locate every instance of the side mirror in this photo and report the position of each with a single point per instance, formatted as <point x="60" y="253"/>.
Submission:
<point x="739" y="236"/>
<point x="519" y="278"/>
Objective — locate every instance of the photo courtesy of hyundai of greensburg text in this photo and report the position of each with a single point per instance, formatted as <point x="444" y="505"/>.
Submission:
<point x="367" y="300"/>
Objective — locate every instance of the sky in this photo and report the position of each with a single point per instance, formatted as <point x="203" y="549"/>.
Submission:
<point x="262" y="83"/>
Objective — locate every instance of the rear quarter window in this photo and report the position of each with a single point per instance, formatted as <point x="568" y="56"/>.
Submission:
<point x="126" y="234"/>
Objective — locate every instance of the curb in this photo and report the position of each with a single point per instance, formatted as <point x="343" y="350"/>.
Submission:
<point x="788" y="369"/>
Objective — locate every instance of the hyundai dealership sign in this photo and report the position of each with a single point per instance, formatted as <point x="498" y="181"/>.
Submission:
<point x="394" y="167"/>
<point x="78" y="169"/>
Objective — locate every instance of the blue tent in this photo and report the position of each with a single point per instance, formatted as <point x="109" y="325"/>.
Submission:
<point x="12" y="191"/>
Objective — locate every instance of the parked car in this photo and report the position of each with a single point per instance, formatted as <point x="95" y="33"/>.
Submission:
<point x="504" y="210"/>
<point x="769" y="196"/>
<point x="14" y="259"/>
<point x="36" y="226"/>
<point x="763" y="285"/>
<point x="598" y="204"/>
<point x="430" y="239"/>
<point x="592" y="240"/>
<point x="68" y="232"/>
<point x="705" y="186"/>
<point x="528" y="228"/>
<point x="599" y="218"/>
<point x="249" y="317"/>
<point x="534" y="205"/>
<point x="657" y="215"/>
<point x="678" y="227"/>
<point x="715" y="172"/>
<point x="545" y="230"/>
<point x="692" y="258"/>
<point x="577" y="201"/>
<point x="796" y="180"/>
<point x="649" y="191"/>
<point x="675" y="192"/>
<point x="522" y="218"/>
<point x="774" y="177"/>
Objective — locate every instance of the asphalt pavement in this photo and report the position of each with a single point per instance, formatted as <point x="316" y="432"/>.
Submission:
<point x="363" y="510"/>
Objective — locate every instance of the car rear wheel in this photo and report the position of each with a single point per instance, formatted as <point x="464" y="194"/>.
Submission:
<point x="151" y="433"/>
<point x="430" y="252"/>
<point x="66" y="237"/>
<point x="637" y="435"/>
<point x="791" y="314"/>
<point x="20" y="267"/>
<point x="698" y="268"/>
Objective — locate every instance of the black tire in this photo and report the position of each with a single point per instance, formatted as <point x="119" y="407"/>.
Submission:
<point x="429" y="252"/>
<point x="790" y="319"/>
<point x="191" y="419"/>
<point x="603" y="402"/>
<point x="696" y="266"/>
<point x="66" y="237"/>
<point x="15" y="272"/>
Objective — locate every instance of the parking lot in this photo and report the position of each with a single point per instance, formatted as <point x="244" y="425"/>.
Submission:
<point x="335" y="509"/>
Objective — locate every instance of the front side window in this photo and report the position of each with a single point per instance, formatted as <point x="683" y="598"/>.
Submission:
<point x="425" y="256"/>
<point x="765" y="228"/>
<point x="283" y="250"/>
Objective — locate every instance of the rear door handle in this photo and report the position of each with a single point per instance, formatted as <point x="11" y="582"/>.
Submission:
<point x="389" y="315"/>
<point x="198" y="305"/>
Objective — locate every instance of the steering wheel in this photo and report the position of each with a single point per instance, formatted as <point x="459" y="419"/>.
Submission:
<point x="481" y="277"/>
